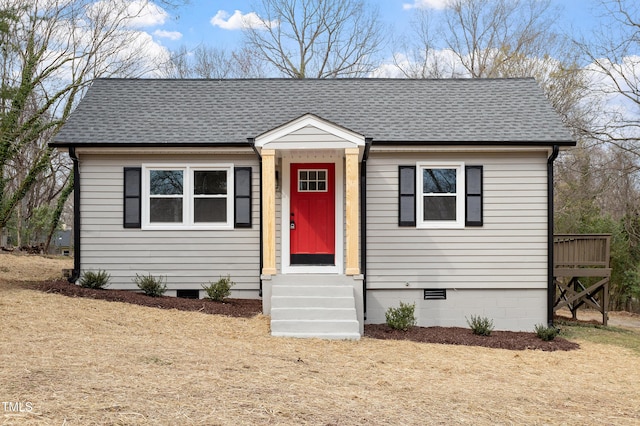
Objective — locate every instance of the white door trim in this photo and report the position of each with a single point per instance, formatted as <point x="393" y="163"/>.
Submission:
<point x="286" y="267"/>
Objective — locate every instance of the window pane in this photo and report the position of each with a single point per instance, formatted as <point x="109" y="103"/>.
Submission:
<point x="165" y="182"/>
<point x="168" y="210"/>
<point x="439" y="181"/>
<point x="439" y="208"/>
<point x="322" y="175"/>
<point x="210" y="210"/>
<point x="210" y="182"/>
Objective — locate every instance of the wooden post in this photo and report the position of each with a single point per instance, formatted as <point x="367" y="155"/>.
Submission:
<point x="352" y="210"/>
<point x="269" y="211"/>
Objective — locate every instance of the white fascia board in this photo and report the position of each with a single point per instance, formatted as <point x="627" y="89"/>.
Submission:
<point x="355" y="139"/>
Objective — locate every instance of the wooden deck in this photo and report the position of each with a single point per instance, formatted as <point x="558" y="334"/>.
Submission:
<point x="582" y="272"/>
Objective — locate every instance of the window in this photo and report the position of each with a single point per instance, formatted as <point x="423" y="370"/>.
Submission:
<point x="192" y="197"/>
<point x="312" y="180"/>
<point x="439" y="191"/>
<point x="441" y="201"/>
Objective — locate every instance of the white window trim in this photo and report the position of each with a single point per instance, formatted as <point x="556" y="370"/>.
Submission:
<point x="187" y="197"/>
<point x="460" y="196"/>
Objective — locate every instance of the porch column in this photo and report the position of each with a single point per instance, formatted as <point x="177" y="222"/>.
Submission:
<point x="268" y="211"/>
<point x="352" y="207"/>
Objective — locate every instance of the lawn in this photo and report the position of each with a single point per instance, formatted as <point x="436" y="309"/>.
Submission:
<point x="79" y="361"/>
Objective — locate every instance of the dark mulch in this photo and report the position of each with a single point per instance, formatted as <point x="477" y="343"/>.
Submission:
<point x="245" y="308"/>
<point x="249" y="307"/>
<point x="463" y="336"/>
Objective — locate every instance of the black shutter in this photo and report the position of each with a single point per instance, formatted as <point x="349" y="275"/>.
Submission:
<point x="407" y="196"/>
<point x="132" y="197"/>
<point x="473" y="202"/>
<point x="242" y="197"/>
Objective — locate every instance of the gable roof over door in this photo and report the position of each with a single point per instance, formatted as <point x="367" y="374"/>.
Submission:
<point x="140" y="112"/>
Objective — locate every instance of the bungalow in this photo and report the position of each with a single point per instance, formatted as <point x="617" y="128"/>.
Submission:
<point x="332" y="200"/>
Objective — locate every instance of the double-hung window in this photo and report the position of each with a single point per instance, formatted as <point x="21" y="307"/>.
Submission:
<point x="189" y="197"/>
<point x="441" y="195"/>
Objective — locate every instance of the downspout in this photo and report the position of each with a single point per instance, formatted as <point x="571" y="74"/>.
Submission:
<point x="252" y="144"/>
<point x="363" y="222"/>
<point x="76" y="216"/>
<point x="550" y="282"/>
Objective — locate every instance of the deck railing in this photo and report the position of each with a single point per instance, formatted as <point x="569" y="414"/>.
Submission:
<point x="581" y="250"/>
<point x="581" y="272"/>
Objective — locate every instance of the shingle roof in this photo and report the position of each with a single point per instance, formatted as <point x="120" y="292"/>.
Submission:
<point x="194" y="112"/>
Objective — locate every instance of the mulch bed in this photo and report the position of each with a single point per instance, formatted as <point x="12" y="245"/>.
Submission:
<point x="463" y="336"/>
<point x="247" y="308"/>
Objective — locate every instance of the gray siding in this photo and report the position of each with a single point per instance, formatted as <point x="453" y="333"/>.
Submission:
<point x="509" y="251"/>
<point x="188" y="258"/>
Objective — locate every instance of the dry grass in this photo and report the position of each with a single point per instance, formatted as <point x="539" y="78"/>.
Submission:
<point x="83" y="362"/>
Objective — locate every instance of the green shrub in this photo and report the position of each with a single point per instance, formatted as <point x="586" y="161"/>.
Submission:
<point x="401" y="318"/>
<point x="546" y="333"/>
<point x="219" y="290"/>
<point x="95" y="280"/>
<point x="150" y="285"/>
<point x="482" y="326"/>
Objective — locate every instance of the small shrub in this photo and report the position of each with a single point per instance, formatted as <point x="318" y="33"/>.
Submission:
<point x="482" y="326"/>
<point x="401" y="318"/>
<point x="95" y="280"/>
<point x="546" y="333"/>
<point x="150" y="285"/>
<point x="219" y="290"/>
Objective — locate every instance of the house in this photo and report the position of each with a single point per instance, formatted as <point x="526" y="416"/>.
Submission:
<point x="332" y="200"/>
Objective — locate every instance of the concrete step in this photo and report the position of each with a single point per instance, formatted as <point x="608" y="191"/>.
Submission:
<point x="311" y="302"/>
<point x="321" y="306"/>
<point x="313" y="313"/>
<point x="313" y="327"/>
<point x="312" y="290"/>
<point x="327" y="336"/>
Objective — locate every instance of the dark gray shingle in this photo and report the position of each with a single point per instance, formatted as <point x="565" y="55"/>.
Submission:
<point x="140" y="112"/>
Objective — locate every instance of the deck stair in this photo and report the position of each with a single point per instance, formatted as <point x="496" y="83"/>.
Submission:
<point x="321" y="306"/>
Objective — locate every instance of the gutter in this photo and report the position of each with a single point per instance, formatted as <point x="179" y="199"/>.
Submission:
<point x="363" y="222"/>
<point x="252" y="144"/>
<point x="550" y="281"/>
<point x="76" y="216"/>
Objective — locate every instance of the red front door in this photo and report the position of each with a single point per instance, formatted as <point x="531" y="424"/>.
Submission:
<point x="313" y="221"/>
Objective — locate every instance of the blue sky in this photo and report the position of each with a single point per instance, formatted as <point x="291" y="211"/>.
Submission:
<point x="191" y="25"/>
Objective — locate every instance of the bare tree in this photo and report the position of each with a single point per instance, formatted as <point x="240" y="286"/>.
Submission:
<point x="616" y="64"/>
<point x="499" y="38"/>
<point x="420" y="56"/>
<point x="487" y="36"/>
<point x="50" y="52"/>
<point x="210" y="62"/>
<point x="316" y="38"/>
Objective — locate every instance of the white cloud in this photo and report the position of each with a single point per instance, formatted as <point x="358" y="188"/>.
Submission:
<point x="139" y="13"/>
<point x="171" y="35"/>
<point x="238" y="21"/>
<point x="426" y="4"/>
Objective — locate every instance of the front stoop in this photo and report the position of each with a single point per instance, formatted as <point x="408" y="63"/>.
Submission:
<point x="314" y="306"/>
